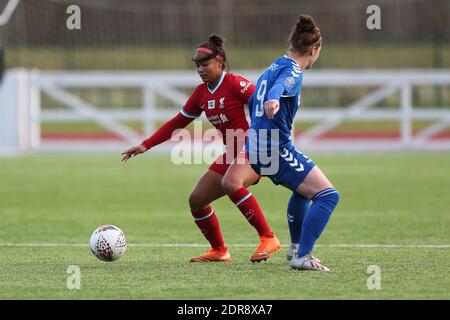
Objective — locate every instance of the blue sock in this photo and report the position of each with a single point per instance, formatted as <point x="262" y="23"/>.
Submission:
<point x="297" y="208"/>
<point x="316" y="219"/>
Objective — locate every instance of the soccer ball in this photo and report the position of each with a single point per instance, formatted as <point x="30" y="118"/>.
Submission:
<point x="108" y="243"/>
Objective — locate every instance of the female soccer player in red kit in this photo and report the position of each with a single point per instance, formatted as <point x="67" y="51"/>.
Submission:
<point x="222" y="97"/>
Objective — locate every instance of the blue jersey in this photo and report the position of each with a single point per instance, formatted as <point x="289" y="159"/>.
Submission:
<point x="285" y="75"/>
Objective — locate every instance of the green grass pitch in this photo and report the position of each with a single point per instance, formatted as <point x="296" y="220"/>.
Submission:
<point x="398" y="199"/>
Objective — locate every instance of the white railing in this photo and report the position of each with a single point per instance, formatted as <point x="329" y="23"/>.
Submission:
<point x="22" y="90"/>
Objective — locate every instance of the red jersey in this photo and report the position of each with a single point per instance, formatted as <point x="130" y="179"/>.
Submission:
<point x="223" y="105"/>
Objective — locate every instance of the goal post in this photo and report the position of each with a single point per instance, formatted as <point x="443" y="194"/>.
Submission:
<point x="19" y="123"/>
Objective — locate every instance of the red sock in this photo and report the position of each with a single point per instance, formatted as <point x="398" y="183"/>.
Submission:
<point x="208" y="224"/>
<point x="249" y="206"/>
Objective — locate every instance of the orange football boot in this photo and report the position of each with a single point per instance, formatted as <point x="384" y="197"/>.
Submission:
<point x="214" y="255"/>
<point x="266" y="247"/>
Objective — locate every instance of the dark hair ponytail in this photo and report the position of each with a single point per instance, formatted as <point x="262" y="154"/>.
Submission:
<point x="215" y="43"/>
<point x="216" y="40"/>
<point x="305" y="34"/>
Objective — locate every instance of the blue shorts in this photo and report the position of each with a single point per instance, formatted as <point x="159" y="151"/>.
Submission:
<point x="291" y="169"/>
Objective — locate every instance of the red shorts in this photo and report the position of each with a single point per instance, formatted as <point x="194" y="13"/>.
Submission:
<point x="221" y="164"/>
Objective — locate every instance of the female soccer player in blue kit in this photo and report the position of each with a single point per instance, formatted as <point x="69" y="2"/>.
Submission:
<point x="271" y="152"/>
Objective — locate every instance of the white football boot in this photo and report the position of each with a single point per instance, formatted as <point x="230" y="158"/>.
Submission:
<point x="292" y="251"/>
<point x="307" y="262"/>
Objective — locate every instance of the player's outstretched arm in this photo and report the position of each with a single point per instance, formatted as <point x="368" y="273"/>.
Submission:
<point x="162" y="134"/>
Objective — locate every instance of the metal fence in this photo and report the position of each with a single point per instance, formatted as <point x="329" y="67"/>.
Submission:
<point x="23" y="92"/>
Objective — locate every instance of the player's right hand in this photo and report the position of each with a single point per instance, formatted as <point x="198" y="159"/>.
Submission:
<point x="271" y="107"/>
<point x="134" y="151"/>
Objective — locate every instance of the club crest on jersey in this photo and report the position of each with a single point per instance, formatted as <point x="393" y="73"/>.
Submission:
<point x="211" y="104"/>
<point x="221" y="103"/>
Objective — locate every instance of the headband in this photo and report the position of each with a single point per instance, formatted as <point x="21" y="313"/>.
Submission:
<point x="207" y="51"/>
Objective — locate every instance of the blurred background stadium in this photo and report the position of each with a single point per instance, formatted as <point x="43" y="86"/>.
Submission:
<point x="159" y="36"/>
<point x="128" y="69"/>
<point x="148" y="35"/>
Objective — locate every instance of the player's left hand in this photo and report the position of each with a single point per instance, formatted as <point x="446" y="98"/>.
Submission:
<point x="271" y="107"/>
<point x="134" y="151"/>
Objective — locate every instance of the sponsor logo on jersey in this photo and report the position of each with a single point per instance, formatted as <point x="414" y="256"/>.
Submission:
<point x="211" y="104"/>
<point x="246" y="87"/>
<point x="215" y="120"/>
<point x="218" y="119"/>
<point x="221" y="103"/>
<point x="223" y="118"/>
<point x="243" y="83"/>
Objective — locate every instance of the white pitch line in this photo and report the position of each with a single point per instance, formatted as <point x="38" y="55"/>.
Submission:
<point x="435" y="246"/>
<point x="196" y="245"/>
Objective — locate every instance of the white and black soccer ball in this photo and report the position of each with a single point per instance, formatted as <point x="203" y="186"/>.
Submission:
<point x="108" y="243"/>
